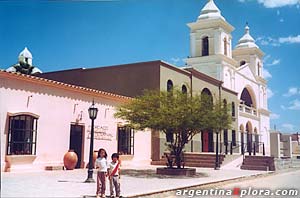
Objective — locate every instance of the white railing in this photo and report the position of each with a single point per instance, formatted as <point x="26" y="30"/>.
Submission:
<point x="249" y="110"/>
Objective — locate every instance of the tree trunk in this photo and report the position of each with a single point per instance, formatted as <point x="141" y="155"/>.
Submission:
<point x="178" y="160"/>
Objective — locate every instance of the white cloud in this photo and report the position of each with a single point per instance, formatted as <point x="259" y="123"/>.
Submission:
<point x="281" y="20"/>
<point x="270" y="93"/>
<point x="295" y="105"/>
<point x="267" y="57"/>
<point x="274" y="116"/>
<point x="175" y="61"/>
<point x="278" y="3"/>
<point x="282" y="107"/>
<point x="263" y="40"/>
<point x="292" y="91"/>
<point x="266" y="40"/>
<point x="274" y="62"/>
<point x="290" y="39"/>
<point x="288" y="126"/>
<point x="266" y="74"/>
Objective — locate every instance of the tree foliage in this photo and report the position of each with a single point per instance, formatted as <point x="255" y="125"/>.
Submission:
<point x="176" y="112"/>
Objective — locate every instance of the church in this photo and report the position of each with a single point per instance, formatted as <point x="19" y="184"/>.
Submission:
<point x="214" y="67"/>
<point x="213" y="63"/>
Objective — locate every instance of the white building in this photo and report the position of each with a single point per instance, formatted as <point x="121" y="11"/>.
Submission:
<point x="239" y="67"/>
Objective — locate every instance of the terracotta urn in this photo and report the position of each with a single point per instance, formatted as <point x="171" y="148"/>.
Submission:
<point x="95" y="155"/>
<point x="70" y="160"/>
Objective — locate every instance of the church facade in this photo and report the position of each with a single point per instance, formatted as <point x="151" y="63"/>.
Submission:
<point x="239" y="68"/>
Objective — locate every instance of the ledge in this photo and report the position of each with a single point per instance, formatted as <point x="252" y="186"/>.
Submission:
<point x="20" y="159"/>
<point x="126" y="157"/>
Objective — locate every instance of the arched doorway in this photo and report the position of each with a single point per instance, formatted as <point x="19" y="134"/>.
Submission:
<point x="249" y="136"/>
<point x="207" y="136"/>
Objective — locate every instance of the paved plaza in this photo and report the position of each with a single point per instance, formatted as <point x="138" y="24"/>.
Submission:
<point x="136" y="181"/>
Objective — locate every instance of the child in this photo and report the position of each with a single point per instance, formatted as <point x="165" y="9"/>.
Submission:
<point x="102" y="165"/>
<point x="114" y="175"/>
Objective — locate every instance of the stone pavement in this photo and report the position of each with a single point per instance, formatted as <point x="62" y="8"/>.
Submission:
<point x="134" y="181"/>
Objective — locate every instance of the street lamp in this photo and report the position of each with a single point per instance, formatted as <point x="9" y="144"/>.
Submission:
<point x="93" y="115"/>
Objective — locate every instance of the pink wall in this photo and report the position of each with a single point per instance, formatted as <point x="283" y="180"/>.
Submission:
<point x="57" y="109"/>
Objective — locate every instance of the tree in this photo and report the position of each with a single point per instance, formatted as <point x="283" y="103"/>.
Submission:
<point x="170" y="112"/>
<point x="220" y="120"/>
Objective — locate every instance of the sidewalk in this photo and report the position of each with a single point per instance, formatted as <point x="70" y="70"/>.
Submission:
<point x="135" y="181"/>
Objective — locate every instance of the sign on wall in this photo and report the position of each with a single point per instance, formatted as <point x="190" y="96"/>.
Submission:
<point x="100" y="133"/>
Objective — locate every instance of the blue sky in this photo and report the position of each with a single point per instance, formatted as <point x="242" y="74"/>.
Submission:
<point x="64" y="34"/>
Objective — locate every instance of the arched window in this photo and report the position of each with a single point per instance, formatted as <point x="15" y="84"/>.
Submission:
<point x="205" y="46"/>
<point x="242" y="63"/>
<point x="184" y="89"/>
<point x="225" y="105"/>
<point x="206" y="94"/>
<point x="225" y="102"/>
<point x="246" y="97"/>
<point x="233" y="109"/>
<point x="169" y="85"/>
<point x="225" y="46"/>
<point x="22" y="133"/>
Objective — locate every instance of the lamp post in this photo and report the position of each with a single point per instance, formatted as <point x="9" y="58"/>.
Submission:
<point x="93" y="115"/>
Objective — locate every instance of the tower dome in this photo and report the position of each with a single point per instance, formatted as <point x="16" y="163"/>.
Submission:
<point x="210" y="11"/>
<point x="25" y="56"/>
<point x="247" y="40"/>
<point x="24" y="64"/>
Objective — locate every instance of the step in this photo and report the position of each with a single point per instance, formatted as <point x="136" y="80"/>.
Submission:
<point x="199" y="157"/>
<point x="251" y="167"/>
<point x="255" y="163"/>
<point x="158" y="163"/>
<point x="199" y="160"/>
<point x="259" y="157"/>
<point x="203" y="165"/>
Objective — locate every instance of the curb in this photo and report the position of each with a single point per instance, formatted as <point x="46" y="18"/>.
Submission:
<point x="202" y="185"/>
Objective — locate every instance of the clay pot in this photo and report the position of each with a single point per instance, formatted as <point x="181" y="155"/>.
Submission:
<point x="70" y="160"/>
<point x="95" y="155"/>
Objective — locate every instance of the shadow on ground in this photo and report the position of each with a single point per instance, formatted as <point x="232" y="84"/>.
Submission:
<point x="149" y="173"/>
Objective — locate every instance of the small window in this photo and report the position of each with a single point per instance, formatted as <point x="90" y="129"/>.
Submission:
<point x="22" y="133"/>
<point x="26" y="60"/>
<point x="242" y="63"/>
<point x="233" y="138"/>
<point x="125" y="141"/>
<point x="233" y="109"/>
<point x="258" y="69"/>
<point x="184" y="89"/>
<point x="205" y="46"/>
<point x="225" y="46"/>
<point x="169" y="85"/>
